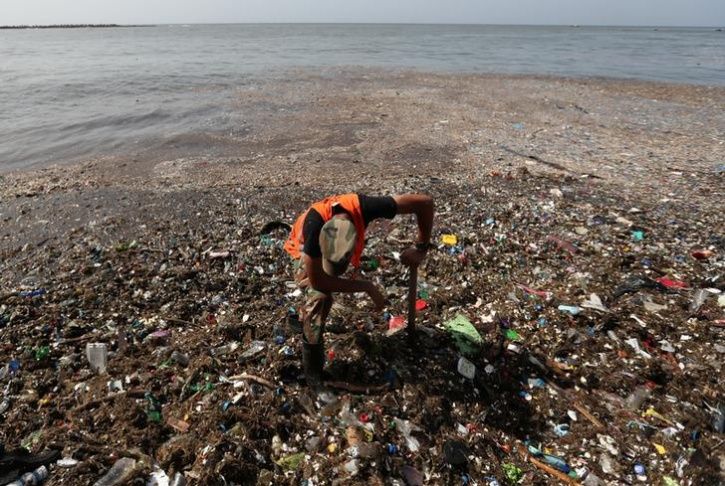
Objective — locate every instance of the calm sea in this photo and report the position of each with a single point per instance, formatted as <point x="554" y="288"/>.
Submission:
<point x="69" y="94"/>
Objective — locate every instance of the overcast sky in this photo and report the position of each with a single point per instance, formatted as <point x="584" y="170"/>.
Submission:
<point x="565" y="12"/>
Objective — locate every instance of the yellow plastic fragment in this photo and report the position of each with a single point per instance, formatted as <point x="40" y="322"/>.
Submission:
<point x="651" y="412"/>
<point x="660" y="449"/>
<point x="331" y="448"/>
<point x="449" y="240"/>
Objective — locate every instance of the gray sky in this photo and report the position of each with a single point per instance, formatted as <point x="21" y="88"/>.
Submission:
<point x="583" y="12"/>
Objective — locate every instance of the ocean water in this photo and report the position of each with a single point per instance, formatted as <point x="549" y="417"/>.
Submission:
<point x="71" y="94"/>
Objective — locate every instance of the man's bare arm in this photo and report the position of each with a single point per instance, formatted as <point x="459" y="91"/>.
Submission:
<point x="423" y="207"/>
<point x="320" y="280"/>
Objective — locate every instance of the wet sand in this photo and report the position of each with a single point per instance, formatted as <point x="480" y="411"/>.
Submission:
<point x="367" y="130"/>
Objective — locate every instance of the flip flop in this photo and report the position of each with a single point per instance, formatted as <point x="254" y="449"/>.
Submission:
<point x="24" y="461"/>
<point x="7" y="477"/>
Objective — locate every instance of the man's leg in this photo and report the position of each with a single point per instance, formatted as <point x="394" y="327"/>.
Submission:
<point x="314" y="313"/>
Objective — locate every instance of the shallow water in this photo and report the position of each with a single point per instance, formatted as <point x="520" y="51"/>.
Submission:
<point x="69" y="94"/>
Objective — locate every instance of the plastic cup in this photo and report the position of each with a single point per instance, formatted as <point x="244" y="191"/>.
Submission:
<point x="97" y="354"/>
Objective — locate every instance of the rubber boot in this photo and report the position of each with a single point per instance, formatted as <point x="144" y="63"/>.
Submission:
<point x="313" y="360"/>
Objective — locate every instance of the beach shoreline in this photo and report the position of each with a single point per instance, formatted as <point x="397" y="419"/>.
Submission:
<point x="319" y="129"/>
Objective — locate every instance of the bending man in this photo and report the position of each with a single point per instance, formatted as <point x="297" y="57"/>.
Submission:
<point x="329" y="236"/>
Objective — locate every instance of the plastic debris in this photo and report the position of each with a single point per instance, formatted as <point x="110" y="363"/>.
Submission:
<point x="466" y="368"/>
<point x="466" y="337"/>
<point x="97" y="354"/>
<point x="672" y="284"/>
<point x="594" y="302"/>
<point x="34" y="478"/>
<point x="406" y="428"/>
<point x="570" y="309"/>
<point x="212" y="342"/>
<point x="512" y="472"/>
<point x="412" y="476"/>
<point x="291" y="462"/>
<point x="121" y="471"/>
<point x="456" y="453"/>
<point x="66" y="462"/>
<point x="561" y="430"/>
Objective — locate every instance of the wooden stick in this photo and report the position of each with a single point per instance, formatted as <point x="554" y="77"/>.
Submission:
<point x="256" y="379"/>
<point x="554" y="472"/>
<point x="716" y="446"/>
<point x="546" y="468"/>
<point x="137" y="393"/>
<point x="355" y="388"/>
<point x="412" y="296"/>
<point x="584" y="411"/>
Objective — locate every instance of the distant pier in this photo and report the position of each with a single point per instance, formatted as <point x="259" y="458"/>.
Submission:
<point x="68" y="26"/>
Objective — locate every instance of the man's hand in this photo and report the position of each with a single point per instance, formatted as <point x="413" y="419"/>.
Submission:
<point x="377" y="297"/>
<point x="412" y="257"/>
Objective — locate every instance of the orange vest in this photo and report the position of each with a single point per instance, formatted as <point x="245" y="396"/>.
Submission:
<point x="351" y="204"/>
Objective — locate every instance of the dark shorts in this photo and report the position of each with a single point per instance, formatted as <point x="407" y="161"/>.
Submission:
<point x="315" y="307"/>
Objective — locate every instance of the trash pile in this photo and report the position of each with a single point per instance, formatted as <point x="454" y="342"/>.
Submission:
<point x="565" y="335"/>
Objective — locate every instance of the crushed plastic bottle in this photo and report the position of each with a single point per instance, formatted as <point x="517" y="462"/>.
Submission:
<point x="561" y="430"/>
<point x="406" y="428"/>
<point x="120" y="472"/>
<point x="225" y="349"/>
<point x="158" y="478"/>
<point x="635" y="399"/>
<point x="698" y="299"/>
<point x="34" y="478"/>
<point x="570" y="309"/>
<point x="32" y="293"/>
<point x="178" y="480"/>
<point x="255" y="347"/>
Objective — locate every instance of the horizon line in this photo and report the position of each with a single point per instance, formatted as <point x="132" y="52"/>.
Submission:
<point x="460" y="24"/>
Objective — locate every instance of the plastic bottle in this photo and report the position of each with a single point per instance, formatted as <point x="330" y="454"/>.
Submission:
<point x="4" y="405"/>
<point x="279" y="336"/>
<point x="635" y="400"/>
<point x="254" y="348"/>
<point x="352" y="467"/>
<point x="32" y="478"/>
<point x="180" y="358"/>
<point x="556" y="462"/>
<point x="178" y="480"/>
<point x="224" y="350"/>
<point x="120" y="472"/>
<point x="97" y="354"/>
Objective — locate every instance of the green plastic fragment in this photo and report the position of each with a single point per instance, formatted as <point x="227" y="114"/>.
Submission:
<point x="41" y="353"/>
<point x="512" y="472"/>
<point x="166" y="363"/>
<point x="291" y="462"/>
<point x="371" y="264"/>
<point x="668" y="481"/>
<point x="31" y="440"/>
<point x="638" y="235"/>
<point x="466" y="336"/>
<point x="154" y="416"/>
<point x="512" y="335"/>
<point x="153" y="408"/>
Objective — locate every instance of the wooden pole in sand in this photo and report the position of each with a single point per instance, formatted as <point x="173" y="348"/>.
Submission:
<point x="412" y="296"/>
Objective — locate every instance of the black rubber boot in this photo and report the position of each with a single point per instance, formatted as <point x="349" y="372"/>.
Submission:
<point x="313" y="360"/>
